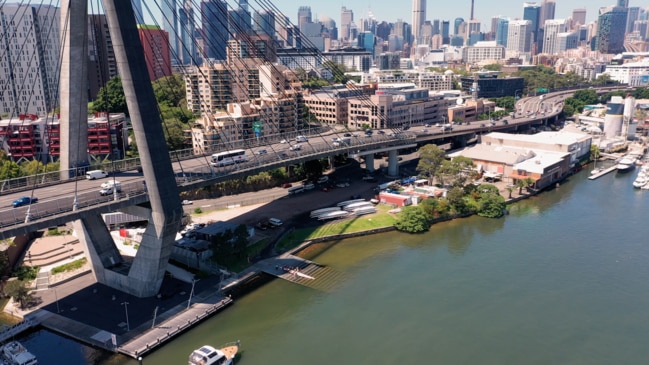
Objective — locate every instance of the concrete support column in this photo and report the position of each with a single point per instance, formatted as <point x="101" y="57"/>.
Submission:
<point x="72" y="86"/>
<point x="98" y="245"/>
<point x="393" y="163"/>
<point x="332" y="166"/>
<point x="369" y="162"/>
<point x="148" y="268"/>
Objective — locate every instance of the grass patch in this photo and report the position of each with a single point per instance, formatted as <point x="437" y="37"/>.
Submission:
<point x="363" y="223"/>
<point x="74" y="265"/>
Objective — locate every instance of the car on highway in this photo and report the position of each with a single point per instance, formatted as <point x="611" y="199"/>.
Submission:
<point x="380" y="132"/>
<point x="347" y="134"/>
<point x="262" y="152"/>
<point x="283" y="141"/>
<point x="25" y="200"/>
<point x="295" y="147"/>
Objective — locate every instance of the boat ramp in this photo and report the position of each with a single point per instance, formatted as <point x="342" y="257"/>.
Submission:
<point x="303" y="272"/>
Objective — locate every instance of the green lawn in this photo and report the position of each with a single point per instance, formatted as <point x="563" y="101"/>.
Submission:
<point x="363" y="223"/>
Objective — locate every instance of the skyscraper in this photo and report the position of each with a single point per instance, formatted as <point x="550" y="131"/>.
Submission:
<point x="551" y="30"/>
<point x="632" y="14"/>
<point x="502" y="31"/>
<point x="579" y="16"/>
<point x="169" y="24"/>
<point x="611" y="24"/>
<point x="214" y="17"/>
<point x="446" y="26"/>
<point x="303" y="16"/>
<point x="518" y="35"/>
<point x="532" y="12"/>
<point x="457" y="23"/>
<point x="547" y="11"/>
<point x="346" y="20"/>
<point x="418" y="17"/>
<point x="239" y="21"/>
<point x="623" y="3"/>
<point x="265" y="23"/>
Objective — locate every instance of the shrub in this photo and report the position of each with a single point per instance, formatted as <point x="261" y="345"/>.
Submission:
<point x="198" y="211"/>
<point x="26" y="273"/>
<point x="76" y="264"/>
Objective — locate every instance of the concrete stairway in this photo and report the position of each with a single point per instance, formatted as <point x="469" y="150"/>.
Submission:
<point x="51" y="254"/>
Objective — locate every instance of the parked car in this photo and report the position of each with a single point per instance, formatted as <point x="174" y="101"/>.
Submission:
<point x="381" y="132"/>
<point x="25" y="200"/>
<point x="347" y="134"/>
<point x="187" y="202"/>
<point x="287" y="185"/>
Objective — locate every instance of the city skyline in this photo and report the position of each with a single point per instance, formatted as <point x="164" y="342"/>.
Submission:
<point x="484" y="10"/>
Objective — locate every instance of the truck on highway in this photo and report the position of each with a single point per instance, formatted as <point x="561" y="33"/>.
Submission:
<point x="110" y="187"/>
<point x="345" y="141"/>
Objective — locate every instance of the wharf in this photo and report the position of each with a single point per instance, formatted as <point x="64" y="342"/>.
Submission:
<point x="602" y="173"/>
<point x="302" y="271"/>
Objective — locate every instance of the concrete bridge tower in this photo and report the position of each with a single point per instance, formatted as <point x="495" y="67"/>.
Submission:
<point x="143" y="276"/>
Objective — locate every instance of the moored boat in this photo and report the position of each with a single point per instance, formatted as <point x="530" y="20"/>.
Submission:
<point x="208" y="355"/>
<point x="626" y="164"/>
<point x="16" y="354"/>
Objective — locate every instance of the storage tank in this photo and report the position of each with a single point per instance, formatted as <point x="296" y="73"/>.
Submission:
<point x="629" y="110"/>
<point x="613" y="119"/>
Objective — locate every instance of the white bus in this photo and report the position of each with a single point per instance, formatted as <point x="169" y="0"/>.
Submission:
<point x="228" y="157"/>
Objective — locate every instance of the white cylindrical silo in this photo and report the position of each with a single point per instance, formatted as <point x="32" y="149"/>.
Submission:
<point x="613" y="120"/>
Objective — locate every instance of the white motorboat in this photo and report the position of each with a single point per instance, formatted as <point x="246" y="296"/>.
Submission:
<point x="208" y="355"/>
<point x="16" y="354"/>
<point x="626" y="164"/>
<point x="640" y="182"/>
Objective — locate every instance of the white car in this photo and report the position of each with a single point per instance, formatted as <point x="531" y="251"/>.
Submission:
<point x="283" y="141"/>
<point x="295" y="147"/>
<point x="187" y="202"/>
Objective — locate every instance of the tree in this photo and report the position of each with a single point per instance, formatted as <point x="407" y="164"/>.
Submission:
<point x="458" y="170"/>
<point x="412" y="220"/>
<point x="18" y="290"/>
<point x="9" y="170"/>
<point x="594" y="152"/>
<point x="170" y="90"/>
<point x="111" y="98"/>
<point x="455" y="198"/>
<point x="491" y="205"/>
<point x="431" y="158"/>
<point x="523" y="184"/>
<point x="493" y="67"/>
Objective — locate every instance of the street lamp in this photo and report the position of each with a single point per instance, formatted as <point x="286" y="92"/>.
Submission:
<point x="56" y="297"/>
<point x="128" y="326"/>
<point x="191" y="293"/>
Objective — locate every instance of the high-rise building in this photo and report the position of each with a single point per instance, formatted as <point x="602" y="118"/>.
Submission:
<point x="551" y="30"/>
<point x="188" y="54"/>
<point x="446" y="28"/>
<point x="457" y="25"/>
<point x="346" y="20"/>
<point x="169" y="23"/>
<point x="304" y="16"/>
<point x="418" y="17"/>
<point x="611" y="24"/>
<point x="518" y="35"/>
<point x="155" y="43"/>
<point x="632" y="14"/>
<point x="502" y="31"/>
<point x="214" y="17"/>
<point x="264" y="23"/>
<point x="532" y="12"/>
<point x="547" y="11"/>
<point x="240" y="19"/>
<point x="102" y="65"/>
<point x="578" y="17"/>
<point x="29" y="72"/>
<point x="623" y="3"/>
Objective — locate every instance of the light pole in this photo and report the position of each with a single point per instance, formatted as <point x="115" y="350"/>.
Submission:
<point x="56" y="298"/>
<point x="191" y="293"/>
<point x="128" y="326"/>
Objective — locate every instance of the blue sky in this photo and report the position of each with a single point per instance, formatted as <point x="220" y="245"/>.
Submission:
<point x="391" y="10"/>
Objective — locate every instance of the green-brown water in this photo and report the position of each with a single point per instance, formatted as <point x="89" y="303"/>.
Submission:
<point x="562" y="280"/>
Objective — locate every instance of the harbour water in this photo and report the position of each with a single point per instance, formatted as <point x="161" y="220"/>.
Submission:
<point x="563" y="279"/>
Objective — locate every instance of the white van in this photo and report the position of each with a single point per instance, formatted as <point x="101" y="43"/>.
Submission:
<point x="108" y="187"/>
<point x="301" y="139"/>
<point x="323" y="179"/>
<point x="275" y="222"/>
<point x="96" y="174"/>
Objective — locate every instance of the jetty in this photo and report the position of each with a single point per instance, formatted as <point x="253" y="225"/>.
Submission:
<point x="602" y="172"/>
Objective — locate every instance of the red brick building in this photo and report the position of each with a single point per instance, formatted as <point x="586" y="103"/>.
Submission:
<point x="155" y="42"/>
